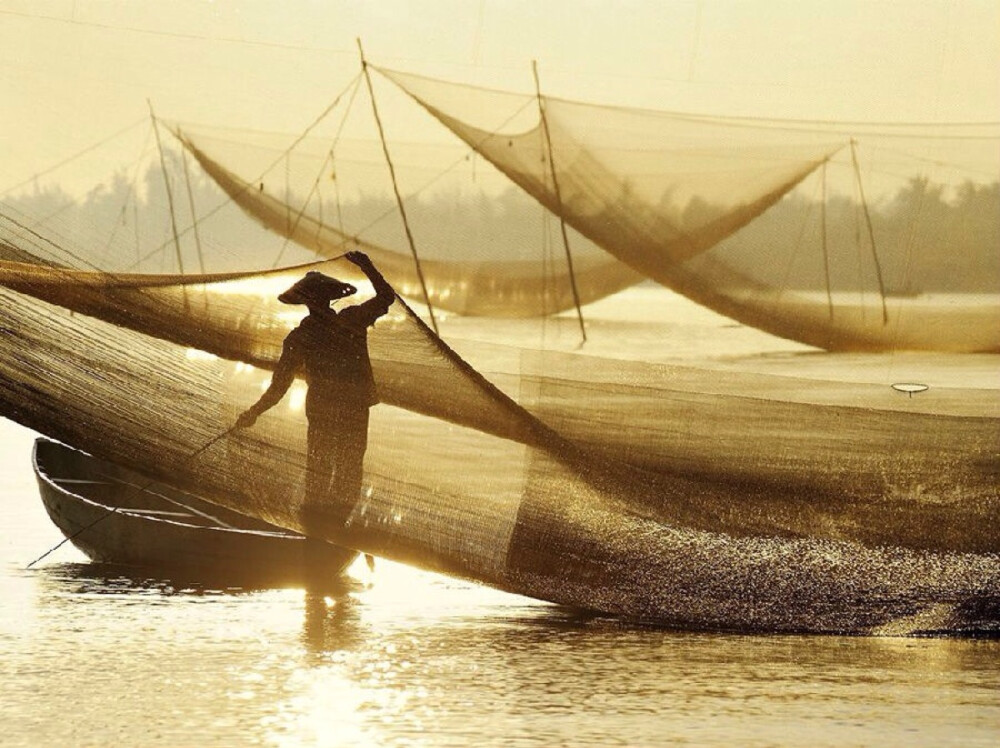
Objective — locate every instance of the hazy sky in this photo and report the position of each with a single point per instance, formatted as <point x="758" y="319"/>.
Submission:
<point x="73" y="73"/>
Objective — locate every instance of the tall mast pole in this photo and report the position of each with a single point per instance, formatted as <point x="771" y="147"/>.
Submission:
<point x="555" y="186"/>
<point x="395" y="187"/>
<point x="826" y="251"/>
<point x="871" y="231"/>
<point x="170" y="198"/>
<point x="194" y="217"/>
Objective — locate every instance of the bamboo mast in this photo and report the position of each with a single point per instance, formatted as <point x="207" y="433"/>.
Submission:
<point x="194" y="217"/>
<point x="395" y="188"/>
<point x="555" y="187"/>
<point x="871" y="231"/>
<point x="170" y="198"/>
<point x="826" y="251"/>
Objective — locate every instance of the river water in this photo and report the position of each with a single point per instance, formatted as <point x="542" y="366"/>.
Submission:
<point x="90" y="656"/>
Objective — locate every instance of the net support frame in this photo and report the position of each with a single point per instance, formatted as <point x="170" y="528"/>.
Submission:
<point x="558" y="196"/>
<point x="395" y="188"/>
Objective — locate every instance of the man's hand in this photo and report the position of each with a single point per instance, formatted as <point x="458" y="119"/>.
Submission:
<point x="359" y="258"/>
<point x="383" y="291"/>
<point x="247" y="419"/>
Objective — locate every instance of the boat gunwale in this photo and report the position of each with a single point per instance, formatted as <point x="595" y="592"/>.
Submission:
<point x="42" y="472"/>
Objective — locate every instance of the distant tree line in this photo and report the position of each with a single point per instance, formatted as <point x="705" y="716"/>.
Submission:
<point x="925" y="241"/>
<point x="927" y="238"/>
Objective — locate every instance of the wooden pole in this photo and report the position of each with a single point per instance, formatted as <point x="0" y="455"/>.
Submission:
<point x="555" y="186"/>
<point x="871" y="231"/>
<point x="194" y="217"/>
<point x="170" y="198"/>
<point x="826" y="252"/>
<point x="395" y="188"/>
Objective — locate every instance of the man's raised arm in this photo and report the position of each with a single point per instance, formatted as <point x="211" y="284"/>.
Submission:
<point x="384" y="295"/>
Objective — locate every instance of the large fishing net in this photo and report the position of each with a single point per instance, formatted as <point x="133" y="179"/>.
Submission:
<point x="663" y="493"/>
<point x="462" y="479"/>
<point x="843" y="236"/>
<point x="889" y="241"/>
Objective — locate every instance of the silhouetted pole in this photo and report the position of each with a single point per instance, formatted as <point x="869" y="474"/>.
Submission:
<point x="871" y="231"/>
<point x="194" y="217"/>
<point x="555" y="186"/>
<point x="395" y="188"/>
<point x="170" y="198"/>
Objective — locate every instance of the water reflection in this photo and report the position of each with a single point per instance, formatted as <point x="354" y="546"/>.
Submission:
<point x="113" y="579"/>
<point x="332" y="620"/>
<point x="545" y="677"/>
<point x="406" y="658"/>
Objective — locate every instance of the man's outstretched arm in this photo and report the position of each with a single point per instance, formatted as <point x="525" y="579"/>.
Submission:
<point x="281" y="380"/>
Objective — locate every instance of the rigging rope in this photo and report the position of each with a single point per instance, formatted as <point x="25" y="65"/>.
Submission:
<point x="44" y="240"/>
<point x="177" y="132"/>
<point x="473" y="149"/>
<point x="130" y="198"/>
<point x="74" y="157"/>
<point x="315" y="186"/>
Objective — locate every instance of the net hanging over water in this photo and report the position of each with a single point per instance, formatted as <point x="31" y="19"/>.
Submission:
<point x="889" y="240"/>
<point x="482" y="249"/>
<point x="471" y="246"/>
<point x="462" y="479"/>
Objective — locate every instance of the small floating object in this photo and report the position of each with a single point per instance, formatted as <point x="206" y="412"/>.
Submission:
<point x="910" y="387"/>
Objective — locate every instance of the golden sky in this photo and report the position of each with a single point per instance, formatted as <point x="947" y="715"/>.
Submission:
<point x="75" y="72"/>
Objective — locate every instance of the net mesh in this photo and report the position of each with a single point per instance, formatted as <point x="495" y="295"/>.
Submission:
<point x="539" y="497"/>
<point x="664" y="493"/>
<point x="889" y="241"/>
<point x="483" y="249"/>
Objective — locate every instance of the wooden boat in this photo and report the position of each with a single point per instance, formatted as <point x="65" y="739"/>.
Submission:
<point x="117" y="516"/>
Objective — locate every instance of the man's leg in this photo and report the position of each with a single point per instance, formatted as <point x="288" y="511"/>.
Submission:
<point x="349" y="459"/>
<point x="319" y="465"/>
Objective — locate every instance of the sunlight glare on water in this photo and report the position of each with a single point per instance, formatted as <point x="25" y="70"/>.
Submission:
<point x="403" y="657"/>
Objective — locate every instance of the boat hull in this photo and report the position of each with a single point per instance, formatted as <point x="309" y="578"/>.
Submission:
<point x="116" y="516"/>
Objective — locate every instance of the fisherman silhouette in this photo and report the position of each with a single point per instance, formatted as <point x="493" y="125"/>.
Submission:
<point x="330" y="349"/>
